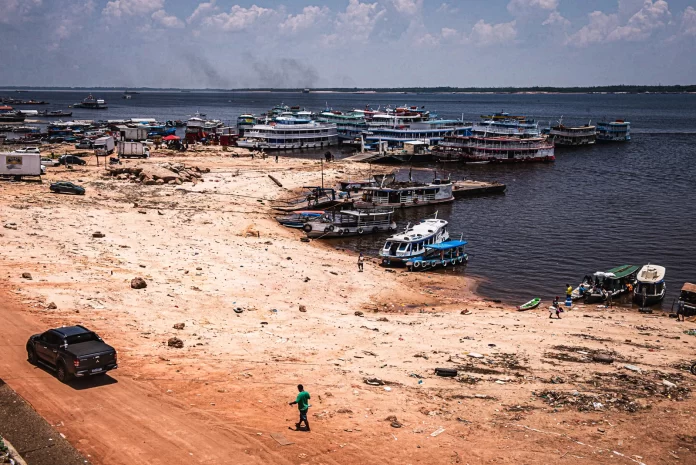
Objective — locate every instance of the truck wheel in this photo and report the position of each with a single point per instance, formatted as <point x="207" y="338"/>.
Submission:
<point x="31" y="356"/>
<point x="62" y="373"/>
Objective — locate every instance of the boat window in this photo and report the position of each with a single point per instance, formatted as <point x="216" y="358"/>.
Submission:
<point x="387" y="245"/>
<point x="403" y="247"/>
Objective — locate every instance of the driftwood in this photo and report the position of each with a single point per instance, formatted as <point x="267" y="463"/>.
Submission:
<point x="275" y="180"/>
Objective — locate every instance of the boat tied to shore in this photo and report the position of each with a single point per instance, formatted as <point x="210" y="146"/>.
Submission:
<point x="442" y="255"/>
<point x="407" y="194"/>
<point x="562" y="135"/>
<point x="344" y="223"/>
<point x="613" y="131"/>
<point x="613" y="283"/>
<point x="299" y="218"/>
<point x="411" y="243"/>
<point x="650" y="285"/>
<point x="289" y="132"/>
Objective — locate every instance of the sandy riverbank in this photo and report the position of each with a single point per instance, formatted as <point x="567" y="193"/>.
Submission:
<point x="197" y="248"/>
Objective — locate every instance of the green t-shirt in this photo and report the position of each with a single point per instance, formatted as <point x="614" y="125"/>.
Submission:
<point x="302" y="401"/>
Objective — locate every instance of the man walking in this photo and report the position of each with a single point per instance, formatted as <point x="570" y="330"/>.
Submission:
<point x="361" y="260"/>
<point x="302" y="402"/>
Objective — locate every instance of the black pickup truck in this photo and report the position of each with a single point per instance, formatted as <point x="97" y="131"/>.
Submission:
<point x="72" y="351"/>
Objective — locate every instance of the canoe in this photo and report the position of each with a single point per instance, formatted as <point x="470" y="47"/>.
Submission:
<point x="534" y="303"/>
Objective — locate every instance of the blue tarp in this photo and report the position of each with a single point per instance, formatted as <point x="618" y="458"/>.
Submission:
<point x="446" y="245"/>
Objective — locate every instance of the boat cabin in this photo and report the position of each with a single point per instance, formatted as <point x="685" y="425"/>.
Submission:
<point x="650" y="286"/>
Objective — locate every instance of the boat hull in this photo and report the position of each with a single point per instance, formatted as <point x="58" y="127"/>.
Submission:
<point x="424" y="265"/>
<point x="362" y="204"/>
<point x="345" y="232"/>
<point x="649" y="300"/>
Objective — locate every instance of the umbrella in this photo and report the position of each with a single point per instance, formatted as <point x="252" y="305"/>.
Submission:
<point x="168" y="138"/>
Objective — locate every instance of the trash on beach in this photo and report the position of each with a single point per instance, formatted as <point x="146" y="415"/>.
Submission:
<point x="446" y="372"/>
<point x="633" y="368"/>
<point x="474" y="355"/>
<point x="437" y="432"/>
<point x="387" y="388"/>
<point x="374" y="381"/>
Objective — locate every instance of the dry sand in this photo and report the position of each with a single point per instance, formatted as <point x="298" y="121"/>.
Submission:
<point x="535" y="396"/>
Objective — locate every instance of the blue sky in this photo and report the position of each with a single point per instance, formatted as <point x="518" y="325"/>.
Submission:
<point x="346" y="43"/>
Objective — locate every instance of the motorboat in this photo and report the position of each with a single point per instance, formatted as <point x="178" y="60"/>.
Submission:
<point x="412" y="242"/>
<point x="442" y="255"/>
<point x="299" y="218"/>
<point x="611" y="283"/>
<point x="349" y="223"/>
<point x="650" y="286"/>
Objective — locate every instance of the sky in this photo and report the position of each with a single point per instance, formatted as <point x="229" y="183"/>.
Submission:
<point x="346" y="43"/>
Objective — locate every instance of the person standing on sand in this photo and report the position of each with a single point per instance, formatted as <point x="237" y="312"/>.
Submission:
<point x="302" y="402"/>
<point x="555" y="308"/>
<point x="276" y="158"/>
<point x="361" y="260"/>
<point x="569" y="291"/>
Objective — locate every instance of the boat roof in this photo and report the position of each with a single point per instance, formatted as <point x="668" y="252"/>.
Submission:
<point x="446" y="245"/>
<point x="623" y="270"/>
<point x="651" y="274"/>
<point x="364" y="213"/>
<point x="688" y="287"/>
<point x="310" y="212"/>
<point x="423" y="229"/>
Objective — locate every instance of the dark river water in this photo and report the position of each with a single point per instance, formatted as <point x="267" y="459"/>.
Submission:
<point x="593" y="209"/>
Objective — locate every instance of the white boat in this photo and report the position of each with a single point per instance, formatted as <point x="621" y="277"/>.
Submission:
<point x="413" y="242"/>
<point x="571" y="136"/>
<point x="349" y="223"/>
<point x="650" y="286"/>
<point x="407" y="194"/>
<point x="290" y="132"/>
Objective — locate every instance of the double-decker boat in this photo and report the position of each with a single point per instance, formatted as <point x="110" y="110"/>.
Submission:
<point x="246" y="122"/>
<point x="412" y="242"/>
<point x="572" y="136"/>
<point x="290" y="132"/>
<point x="349" y="125"/>
<point x="407" y="194"/>
<point x="613" y="131"/>
<point x="501" y="149"/>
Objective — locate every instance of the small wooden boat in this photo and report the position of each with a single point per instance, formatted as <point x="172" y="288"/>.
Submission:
<point x="299" y="218"/>
<point x="532" y="304"/>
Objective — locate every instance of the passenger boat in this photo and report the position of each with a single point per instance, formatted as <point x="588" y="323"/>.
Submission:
<point x="442" y="255"/>
<point x="246" y="122"/>
<point x="92" y="103"/>
<point x="290" y="132"/>
<point x="498" y="149"/>
<point x="613" y="282"/>
<point x="12" y="117"/>
<point x="58" y="113"/>
<point x="650" y="286"/>
<point x="532" y="304"/>
<point x="299" y="218"/>
<point x="613" y="131"/>
<point x="349" y="125"/>
<point x="520" y="128"/>
<point x="349" y="223"/>
<point x="572" y="136"/>
<point x="396" y="132"/>
<point x="405" y="246"/>
<point x="407" y="194"/>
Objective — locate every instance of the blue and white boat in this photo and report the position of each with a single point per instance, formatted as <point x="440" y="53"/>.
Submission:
<point x="290" y="132"/>
<point x="613" y="131"/>
<point x="442" y="255"/>
<point x="299" y="218"/>
<point x="402" y="247"/>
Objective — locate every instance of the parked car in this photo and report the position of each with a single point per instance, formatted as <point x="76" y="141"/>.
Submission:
<point x="72" y="351"/>
<point x="67" y="188"/>
<point x="71" y="160"/>
<point x="28" y="150"/>
<point x="50" y="162"/>
<point x="149" y="142"/>
<point x="84" y="144"/>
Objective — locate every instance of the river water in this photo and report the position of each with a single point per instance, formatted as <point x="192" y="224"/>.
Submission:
<point x="593" y="209"/>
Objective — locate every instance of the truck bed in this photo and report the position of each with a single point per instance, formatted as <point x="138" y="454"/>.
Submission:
<point x="89" y="348"/>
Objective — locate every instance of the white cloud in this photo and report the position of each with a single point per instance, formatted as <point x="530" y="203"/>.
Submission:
<point x="119" y="8"/>
<point x="448" y="33"/>
<point x="488" y="34"/>
<point x="168" y="21"/>
<point x="310" y="15"/>
<point x="688" y="26"/>
<point x="603" y="27"/>
<point x="408" y="7"/>
<point x="202" y="10"/>
<point x="356" y="23"/>
<point x="238" y="19"/>
<point x="16" y="10"/>
<point x="523" y="6"/>
<point x="652" y="16"/>
<point x="447" y="9"/>
<point x="555" y="19"/>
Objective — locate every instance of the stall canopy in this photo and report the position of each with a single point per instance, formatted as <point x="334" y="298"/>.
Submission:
<point x="168" y="138"/>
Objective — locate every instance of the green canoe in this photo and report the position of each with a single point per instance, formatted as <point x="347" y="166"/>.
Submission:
<point x="534" y="303"/>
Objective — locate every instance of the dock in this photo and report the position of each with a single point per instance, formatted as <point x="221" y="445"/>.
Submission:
<point x="470" y="188"/>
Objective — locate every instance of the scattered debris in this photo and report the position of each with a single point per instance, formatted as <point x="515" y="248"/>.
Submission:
<point x="179" y="325"/>
<point x="98" y="234"/>
<point x="175" y="342"/>
<point x="446" y="372"/>
<point x="603" y="358"/>
<point x="633" y="368"/>
<point x="374" y="381"/>
<point x="27" y="276"/>
<point x="359" y="313"/>
<point x="437" y="432"/>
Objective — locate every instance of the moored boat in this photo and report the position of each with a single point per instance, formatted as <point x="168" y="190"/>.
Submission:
<point x="613" y="131"/>
<point x="407" y="194"/>
<point x="402" y="247"/>
<point x="442" y="255"/>
<point x="299" y="218"/>
<point x="92" y="103"/>
<point x="650" y="286"/>
<point x="289" y="132"/>
<point x="532" y="304"/>
<point x="570" y="136"/>
<point x="349" y="223"/>
<point x="611" y="283"/>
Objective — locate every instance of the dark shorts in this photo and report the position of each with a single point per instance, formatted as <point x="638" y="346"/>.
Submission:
<point x="303" y="415"/>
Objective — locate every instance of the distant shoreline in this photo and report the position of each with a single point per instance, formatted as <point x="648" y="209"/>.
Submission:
<point x="676" y="89"/>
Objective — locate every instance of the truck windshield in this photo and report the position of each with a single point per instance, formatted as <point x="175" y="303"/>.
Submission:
<point x="84" y="337"/>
